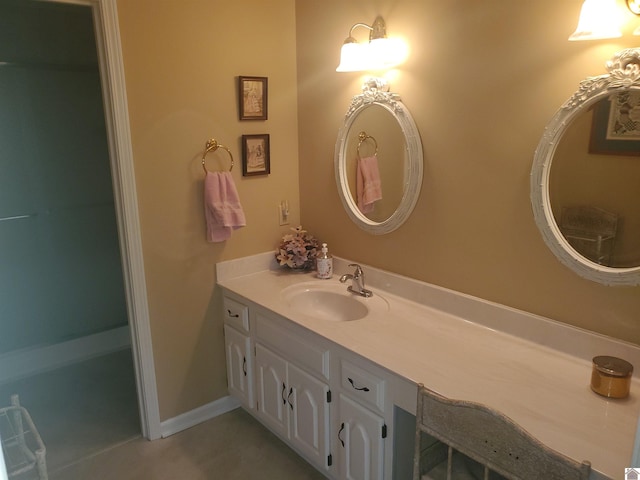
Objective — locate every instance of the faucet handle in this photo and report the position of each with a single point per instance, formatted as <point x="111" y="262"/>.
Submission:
<point x="358" y="271"/>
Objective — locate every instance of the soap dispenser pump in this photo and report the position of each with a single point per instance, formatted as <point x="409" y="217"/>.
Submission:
<point x="324" y="263"/>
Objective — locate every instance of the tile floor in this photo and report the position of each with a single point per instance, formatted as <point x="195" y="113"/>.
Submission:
<point x="233" y="446"/>
<point x="87" y="416"/>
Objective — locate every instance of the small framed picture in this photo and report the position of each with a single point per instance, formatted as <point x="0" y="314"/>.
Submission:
<point x="616" y="125"/>
<point x="255" y="155"/>
<point x="252" y="96"/>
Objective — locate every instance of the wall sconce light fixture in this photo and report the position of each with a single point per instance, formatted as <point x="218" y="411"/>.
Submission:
<point x="599" y="19"/>
<point x="378" y="54"/>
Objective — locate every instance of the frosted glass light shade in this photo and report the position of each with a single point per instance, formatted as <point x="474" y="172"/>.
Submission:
<point x="386" y="53"/>
<point x="353" y="57"/>
<point x="378" y="54"/>
<point x="598" y="19"/>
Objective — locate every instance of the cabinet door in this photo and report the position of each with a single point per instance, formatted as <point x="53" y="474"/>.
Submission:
<point x="360" y="442"/>
<point x="309" y="416"/>
<point x="239" y="372"/>
<point x="272" y="391"/>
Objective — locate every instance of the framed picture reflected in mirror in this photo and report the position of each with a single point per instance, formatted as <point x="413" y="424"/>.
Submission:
<point x="615" y="129"/>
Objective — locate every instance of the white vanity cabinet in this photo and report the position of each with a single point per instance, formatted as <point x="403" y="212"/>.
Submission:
<point x="329" y="405"/>
<point x="238" y="352"/>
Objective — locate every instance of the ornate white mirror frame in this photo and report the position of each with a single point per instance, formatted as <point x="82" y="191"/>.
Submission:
<point x="624" y="75"/>
<point x="374" y="93"/>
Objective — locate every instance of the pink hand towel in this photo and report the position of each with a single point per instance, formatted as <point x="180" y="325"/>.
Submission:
<point x="222" y="208"/>
<point x="368" y="184"/>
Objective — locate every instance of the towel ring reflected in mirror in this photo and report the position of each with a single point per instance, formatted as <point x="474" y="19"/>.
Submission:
<point x="363" y="137"/>
<point x="382" y="113"/>
<point x="211" y="146"/>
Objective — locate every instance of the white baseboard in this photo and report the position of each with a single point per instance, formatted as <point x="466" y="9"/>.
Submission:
<point x="198" y="415"/>
<point x="27" y="362"/>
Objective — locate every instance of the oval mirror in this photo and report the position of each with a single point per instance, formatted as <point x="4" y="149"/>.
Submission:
<point x="585" y="179"/>
<point x="378" y="160"/>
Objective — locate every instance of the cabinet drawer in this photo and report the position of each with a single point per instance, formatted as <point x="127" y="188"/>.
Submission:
<point x="362" y="385"/>
<point x="314" y="358"/>
<point x="236" y="314"/>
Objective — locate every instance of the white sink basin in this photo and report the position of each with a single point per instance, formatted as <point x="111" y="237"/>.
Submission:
<point x="331" y="301"/>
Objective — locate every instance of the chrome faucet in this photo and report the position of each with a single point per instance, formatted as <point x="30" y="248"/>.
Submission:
<point x="357" y="281"/>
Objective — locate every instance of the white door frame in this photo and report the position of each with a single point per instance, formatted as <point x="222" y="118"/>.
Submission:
<point x="119" y="137"/>
<point x="105" y="18"/>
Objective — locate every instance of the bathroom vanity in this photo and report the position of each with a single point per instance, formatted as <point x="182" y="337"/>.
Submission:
<point x="334" y="375"/>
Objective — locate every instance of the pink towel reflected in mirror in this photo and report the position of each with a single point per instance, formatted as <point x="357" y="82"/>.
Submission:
<point x="368" y="185"/>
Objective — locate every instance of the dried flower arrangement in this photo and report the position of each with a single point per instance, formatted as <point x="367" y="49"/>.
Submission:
<point x="298" y="250"/>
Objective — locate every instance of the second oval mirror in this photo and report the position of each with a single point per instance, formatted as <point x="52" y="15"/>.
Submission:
<point x="586" y="173"/>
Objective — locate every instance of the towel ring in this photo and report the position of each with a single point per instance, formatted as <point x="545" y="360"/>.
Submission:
<point x="211" y="146"/>
<point x="363" y="137"/>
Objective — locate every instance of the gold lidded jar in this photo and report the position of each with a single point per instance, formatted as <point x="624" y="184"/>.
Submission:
<point x="611" y="376"/>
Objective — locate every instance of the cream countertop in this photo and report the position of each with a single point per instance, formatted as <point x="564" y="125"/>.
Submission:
<point x="540" y="381"/>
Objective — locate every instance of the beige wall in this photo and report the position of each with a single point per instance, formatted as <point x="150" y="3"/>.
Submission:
<point x="482" y="80"/>
<point x="181" y="59"/>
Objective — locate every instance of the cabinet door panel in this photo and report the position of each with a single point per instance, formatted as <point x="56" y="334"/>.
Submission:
<point x="272" y="390"/>
<point x="360" y="442"/>
<point x="239" y="374"/>
<point x="309" y="415"/>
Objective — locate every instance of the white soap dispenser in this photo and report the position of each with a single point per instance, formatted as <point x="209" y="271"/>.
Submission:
<point x="324" y="263"/>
